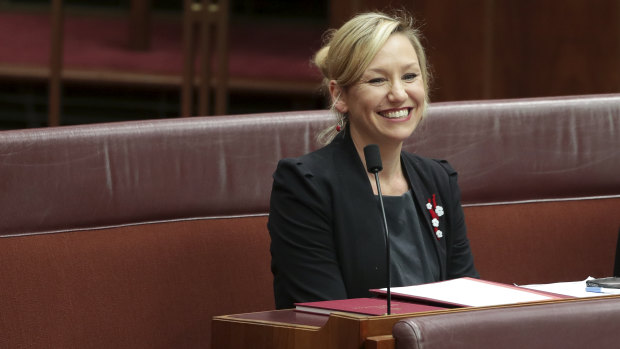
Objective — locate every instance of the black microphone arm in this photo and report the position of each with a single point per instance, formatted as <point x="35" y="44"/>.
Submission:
<point x="373" y="164"/>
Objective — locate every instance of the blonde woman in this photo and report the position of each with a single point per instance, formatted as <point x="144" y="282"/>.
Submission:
<point x="327" y="238"/>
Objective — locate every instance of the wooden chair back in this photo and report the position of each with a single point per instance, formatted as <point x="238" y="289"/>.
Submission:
<point x="205" y="36"/>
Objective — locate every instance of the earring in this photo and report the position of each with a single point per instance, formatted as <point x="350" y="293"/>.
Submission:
<point x="341" y="123"/>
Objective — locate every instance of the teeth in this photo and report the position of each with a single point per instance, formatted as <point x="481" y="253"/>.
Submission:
<point x="397" y="114"/>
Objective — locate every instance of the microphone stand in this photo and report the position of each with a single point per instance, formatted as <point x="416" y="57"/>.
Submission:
<point x="373" y="165"/>
<point x="387" y="247"/>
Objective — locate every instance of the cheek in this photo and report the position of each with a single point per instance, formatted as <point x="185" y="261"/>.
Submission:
<point x="370" y="100"/>
<point x="417" y="92"/>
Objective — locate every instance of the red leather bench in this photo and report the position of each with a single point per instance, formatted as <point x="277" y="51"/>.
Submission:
<point x="136" y="234"/>
<point x="584" y="324"/>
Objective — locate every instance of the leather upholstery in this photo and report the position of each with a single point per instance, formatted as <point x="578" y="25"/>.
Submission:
<point x="530" y="149"/>
<point x="589" y="324"/>
<point x="67" y="178"/>
<point x="136" y="234"/>
<point x="107" y="174"/>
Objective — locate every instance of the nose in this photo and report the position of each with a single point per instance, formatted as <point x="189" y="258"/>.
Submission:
<point x="397" y="92"/>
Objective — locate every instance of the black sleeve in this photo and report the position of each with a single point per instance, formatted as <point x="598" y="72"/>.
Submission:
<point x="304" y="260"/>
<point x="460" y="260"/>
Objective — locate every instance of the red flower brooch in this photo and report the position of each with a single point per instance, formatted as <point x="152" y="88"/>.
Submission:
<point x="436" y="212"/>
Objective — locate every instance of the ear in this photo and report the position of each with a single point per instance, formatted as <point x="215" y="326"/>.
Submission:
<point x="338" y="97"/>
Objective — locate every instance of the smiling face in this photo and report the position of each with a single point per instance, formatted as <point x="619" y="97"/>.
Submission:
<point x="387" y="104"/>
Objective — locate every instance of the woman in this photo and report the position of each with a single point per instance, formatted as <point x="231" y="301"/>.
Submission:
<point x="327" y="239"/>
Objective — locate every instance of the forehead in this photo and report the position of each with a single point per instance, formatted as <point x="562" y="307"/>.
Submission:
<point x="397" y="50"/>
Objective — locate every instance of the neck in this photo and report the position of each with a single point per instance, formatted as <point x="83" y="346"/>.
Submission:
<point x="392" y="177"/>
<point x="390" y="157"/>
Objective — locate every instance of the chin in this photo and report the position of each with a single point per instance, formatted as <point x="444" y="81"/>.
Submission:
<point x="400" y="135"/>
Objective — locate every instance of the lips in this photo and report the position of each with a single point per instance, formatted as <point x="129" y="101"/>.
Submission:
<point x="395" y="114"/>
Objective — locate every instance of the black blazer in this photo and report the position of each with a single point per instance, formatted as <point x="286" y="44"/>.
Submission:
<point x="327" y="239"/>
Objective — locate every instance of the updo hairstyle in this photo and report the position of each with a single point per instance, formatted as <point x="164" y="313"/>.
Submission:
<point x="348" y="52"/>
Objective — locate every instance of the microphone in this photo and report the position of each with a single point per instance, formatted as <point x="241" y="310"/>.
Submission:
<point x="373" y="165"/>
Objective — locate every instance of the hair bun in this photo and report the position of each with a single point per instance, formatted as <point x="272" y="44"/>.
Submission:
<point x="320" y="60"/>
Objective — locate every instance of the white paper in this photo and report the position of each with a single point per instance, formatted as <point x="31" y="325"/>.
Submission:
<point x="471" y="292"/>
<point x="571" y="288"/>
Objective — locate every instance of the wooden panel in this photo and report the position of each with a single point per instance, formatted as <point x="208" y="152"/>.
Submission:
<point x="546" y="47"/>
<point x="455" y="38"/>
<point x="342" y="331"/>
<point x="271" y="330"/>
<point x="140" y="25"/>
<point x="482" y="49"/>
<point x="342" y="10"/>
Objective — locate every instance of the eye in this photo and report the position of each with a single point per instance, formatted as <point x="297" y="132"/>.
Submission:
<point x="377" y="81"/>
<point x="409" y="77"/>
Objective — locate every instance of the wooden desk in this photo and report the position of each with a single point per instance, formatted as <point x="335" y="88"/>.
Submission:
<point x="291" y="329"/>
<point x="281" y="329"/>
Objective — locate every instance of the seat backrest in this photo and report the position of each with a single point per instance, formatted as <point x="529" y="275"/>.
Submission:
<point x="573" y="324"/>
<point x="132" y="172"/>
<point x="156" y="226"/>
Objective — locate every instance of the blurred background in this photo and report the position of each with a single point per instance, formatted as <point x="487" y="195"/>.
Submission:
<point x="85" y="61"/>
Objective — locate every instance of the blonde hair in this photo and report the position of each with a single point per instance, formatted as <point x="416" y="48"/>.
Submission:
<point x="349" y="50"/>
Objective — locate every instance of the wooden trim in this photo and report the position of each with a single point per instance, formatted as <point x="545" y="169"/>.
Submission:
<point x="380" y="342"/>
<point x="101" y="77"/>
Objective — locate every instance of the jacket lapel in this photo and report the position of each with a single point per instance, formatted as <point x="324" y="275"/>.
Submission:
<point x="420" y="185"/>
<point x="359" y="201"/>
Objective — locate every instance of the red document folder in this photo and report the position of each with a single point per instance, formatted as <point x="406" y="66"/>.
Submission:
<point x="364" y="306"/>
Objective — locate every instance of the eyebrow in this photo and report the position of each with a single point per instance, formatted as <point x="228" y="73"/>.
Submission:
<point x="412" y="65"/>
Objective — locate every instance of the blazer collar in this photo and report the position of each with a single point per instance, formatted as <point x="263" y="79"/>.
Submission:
<point x="421" y="184"/>
<point x="422" y="187"/>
